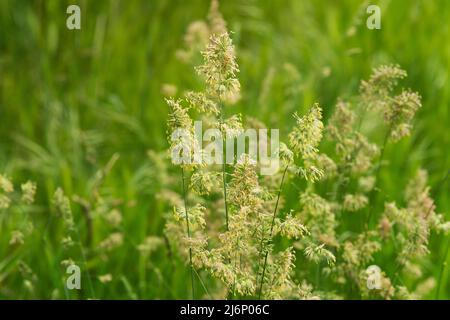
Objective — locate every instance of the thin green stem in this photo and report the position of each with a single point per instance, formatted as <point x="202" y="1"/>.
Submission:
<point x="83" y="256"/>
<point x="224" y="177"/>
<point x="271" y="231"/>
<point x="233" y="291"/>
<point x="224" y="185"/>
<point x="188" y="232"/>
<point x="203" y="284"/>
<point x="441" y="271"/>
<point x="447" y="250"/>
<point x="377" y="175"/>
<point x="260" y="250"/>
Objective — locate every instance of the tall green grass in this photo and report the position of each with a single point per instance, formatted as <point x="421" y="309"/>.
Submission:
<point x="69" y="100"/>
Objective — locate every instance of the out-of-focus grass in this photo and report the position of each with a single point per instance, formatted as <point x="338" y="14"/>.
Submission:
<point x="71" y="99"/>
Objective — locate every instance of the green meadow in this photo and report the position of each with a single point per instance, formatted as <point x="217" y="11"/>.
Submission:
<point x="84" y="111"/>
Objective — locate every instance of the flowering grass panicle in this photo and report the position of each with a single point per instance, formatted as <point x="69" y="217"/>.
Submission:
<point x="62" y="205"/>
<point x="400" y="112"/>
<point x="252" y="252"/>
<point x="28" y="192"/>
<point x="375" y="92"/>
<point x="306" y="136"/>
<point x="304" y="140"/>
<point x="220" y="69"/>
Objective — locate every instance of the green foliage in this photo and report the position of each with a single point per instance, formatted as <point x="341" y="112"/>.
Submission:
<point x="71" y="101"/>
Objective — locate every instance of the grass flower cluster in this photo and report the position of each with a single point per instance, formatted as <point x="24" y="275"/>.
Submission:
<point x="233" y="225"/>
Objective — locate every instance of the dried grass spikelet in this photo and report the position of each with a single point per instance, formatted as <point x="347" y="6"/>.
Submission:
<point x="178" y="116"/>
<point x="204" y="182"/>
<point x="319" y="218"/>
<point x="306" y="136"/>
<point x="175" y="232"/>
<point x="326" y="165"/>
<point x="5" y="184"/>
<point x="310" y="172"/>
<point x="199" y="101"/>
<point x="195" y="215"/>
<point x="193" y="246"/>
<point x="232" y="126"/>
<point x="355" y="202"/>
<point x="342" y="122"/>
<point x="402" y="293"/>
<point x="285" y="155"/>
<point x="292" y="290"/>
<point x="366" y="184"/>
<point x="416" y="221"/>
<point x="5" y="201"/>
<point x="400" y="112"/>
<point x="67" y="242"/>
<point x="279" y="274"/>
<point x="245" y="284"/>
<point x="375" y="92"/>
<point x="359" y="252"/>
<point x="355" y="151"/>
<point x="30" y="278"/>
<point x="221" y="270"/>
<point x="113" y="241"/>
<point x="220" y="69"/>
<point x="246" y="209"/>
<point x="62" y="205"/>
<point x="244" y="186"/>
<point x="385" y="227"/>
<point x="292" y="227"/>
<point x="304" y="140"/>
<point x="198" y="244"/>
<point x="28" y="192"/>
<point x="105" y="278"/>
<point x="114" y="218"/>
<point x="6" y="187"/>
<point x="17" y="238"/>
<point x="183" y="144"/>
<point x="318" y="253"/>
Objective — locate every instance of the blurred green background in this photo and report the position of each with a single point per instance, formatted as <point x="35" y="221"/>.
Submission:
<point x="70" y="99"/>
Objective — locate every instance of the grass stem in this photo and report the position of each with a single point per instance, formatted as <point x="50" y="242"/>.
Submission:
<point x="377" y="176"/>
<point x="188" y="232"/>
<point x="271" y="231"/>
